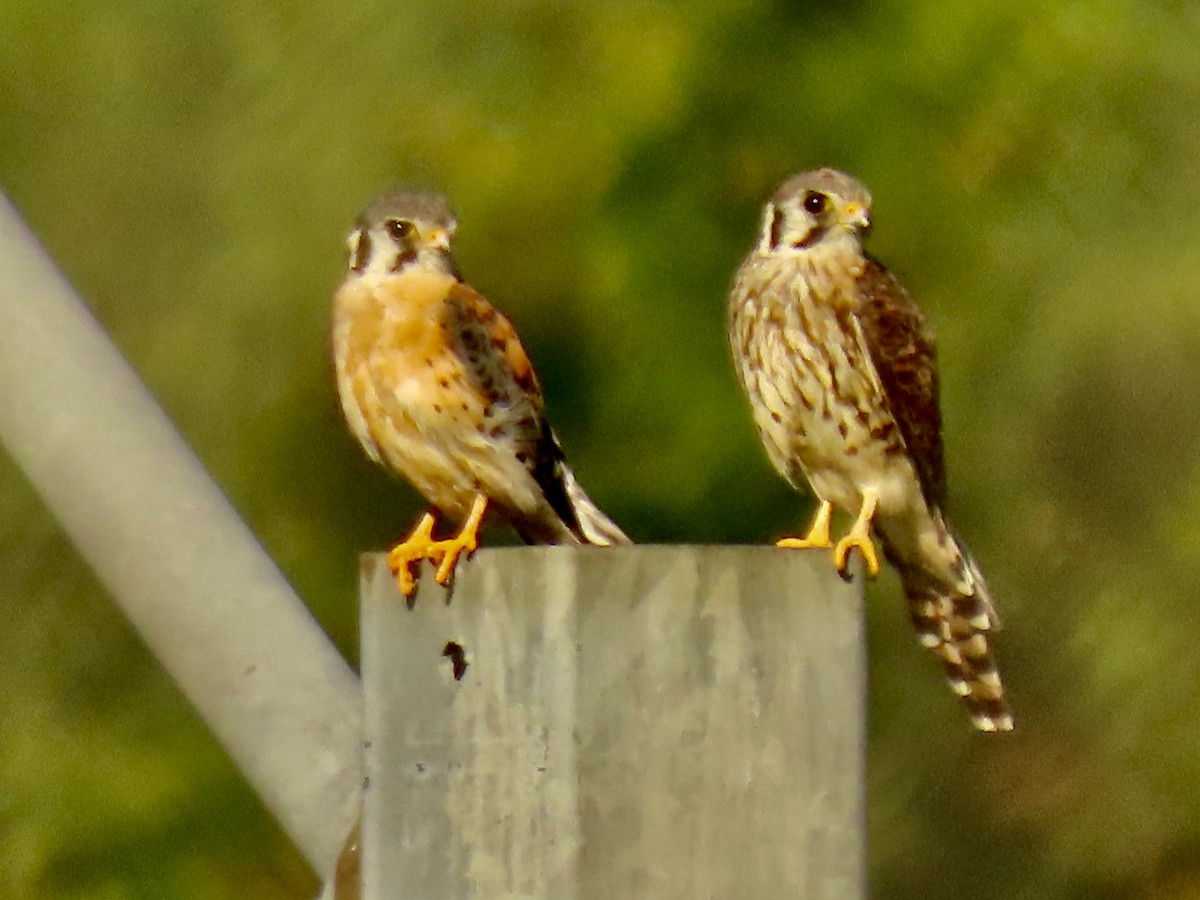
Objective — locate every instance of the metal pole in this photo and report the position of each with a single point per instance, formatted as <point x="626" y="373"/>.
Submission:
<point x="177" y="559"/>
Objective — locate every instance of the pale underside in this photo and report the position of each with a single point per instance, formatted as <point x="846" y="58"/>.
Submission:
<point x="816" y="399"/>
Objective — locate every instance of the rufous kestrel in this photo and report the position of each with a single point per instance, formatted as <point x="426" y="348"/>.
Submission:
<point x="840" y="371"/>
<point x="437" y="388"/>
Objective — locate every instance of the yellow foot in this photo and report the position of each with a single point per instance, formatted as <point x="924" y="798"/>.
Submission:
<point x="405" y="556"/>
<point x="466" y="542"/>
<point x="859" y="537"/>
<point x="818" y="532"/>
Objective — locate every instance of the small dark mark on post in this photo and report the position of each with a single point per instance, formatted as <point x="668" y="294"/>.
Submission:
<point x="457" y="655"/>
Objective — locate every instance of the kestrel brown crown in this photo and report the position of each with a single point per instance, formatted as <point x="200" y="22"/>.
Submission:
<point x="416" y="206"/>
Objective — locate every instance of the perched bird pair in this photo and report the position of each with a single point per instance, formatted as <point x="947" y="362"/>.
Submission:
<point x="833" y="354"/>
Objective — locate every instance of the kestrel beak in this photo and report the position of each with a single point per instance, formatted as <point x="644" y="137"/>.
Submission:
<point x="439" y="238"/>
<point x="856" y="217"/>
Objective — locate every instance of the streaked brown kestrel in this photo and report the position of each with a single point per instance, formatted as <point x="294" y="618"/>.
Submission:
<point x="840" y="371"/>
<point x="437" y="388"/>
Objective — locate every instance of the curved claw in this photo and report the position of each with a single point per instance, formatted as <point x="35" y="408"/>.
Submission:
<point x="859" y="537"/>
<point x="863" y="543"/>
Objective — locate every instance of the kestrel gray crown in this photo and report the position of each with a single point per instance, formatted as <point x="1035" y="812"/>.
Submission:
<point x="423" y="206"/>
<point x="827" y="181"/>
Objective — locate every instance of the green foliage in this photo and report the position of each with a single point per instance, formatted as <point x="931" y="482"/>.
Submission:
<point x="194" y="167"/>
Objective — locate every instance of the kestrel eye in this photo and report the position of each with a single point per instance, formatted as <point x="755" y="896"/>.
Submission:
<point x="816" y="202"/>
<point x="399" y="229"/>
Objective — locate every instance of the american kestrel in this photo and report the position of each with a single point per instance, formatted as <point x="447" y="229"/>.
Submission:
<point x="437" y="388"/>
<point x="840" y="371"/>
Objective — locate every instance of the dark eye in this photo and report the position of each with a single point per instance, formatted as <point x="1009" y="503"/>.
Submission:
<point x="399" y="229"/>
<point x="816" y="202"/>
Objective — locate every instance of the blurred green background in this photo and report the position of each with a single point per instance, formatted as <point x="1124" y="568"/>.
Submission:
<point x="194" y="167"/>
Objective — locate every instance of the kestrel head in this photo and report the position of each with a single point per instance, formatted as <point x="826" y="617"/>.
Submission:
<point x="402" y="229"/>
<point x="820" y="208"/>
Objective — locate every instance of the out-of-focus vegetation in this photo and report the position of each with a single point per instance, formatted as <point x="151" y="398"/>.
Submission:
<point x="194" y="167"/>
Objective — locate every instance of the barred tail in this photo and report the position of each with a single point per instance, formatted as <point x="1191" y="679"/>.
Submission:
<point x="594" y="526"/>
<point x="953" y="615"/>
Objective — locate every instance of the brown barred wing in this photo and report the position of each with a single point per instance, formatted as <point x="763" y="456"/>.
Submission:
<point x="902" y="351"/>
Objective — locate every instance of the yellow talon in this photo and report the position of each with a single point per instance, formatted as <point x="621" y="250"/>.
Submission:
<point x="859" y="537"/>
<point x="818" y="532"/>
<point x="466" y="542"/>
<point x="411" y="550"/>
<point x="419" y="545"/>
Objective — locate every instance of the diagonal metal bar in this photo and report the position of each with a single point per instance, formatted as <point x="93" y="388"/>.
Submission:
<point x="175" y="556"/>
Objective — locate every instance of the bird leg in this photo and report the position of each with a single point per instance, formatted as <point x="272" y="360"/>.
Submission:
<point x="859" y="537"/>
<point x="466" y="541"/>
<point x="818" y="532"/>
<point x="420" y="545"/>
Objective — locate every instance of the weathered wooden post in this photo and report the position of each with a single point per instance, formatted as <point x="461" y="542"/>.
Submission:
<point x="644" y="722"/>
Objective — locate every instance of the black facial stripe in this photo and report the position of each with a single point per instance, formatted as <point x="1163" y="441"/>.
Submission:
<point x="408" y="255"/>
<point x="815" y="234"/>
<point x="776" y="235"/>
<point x="362" y="252"/>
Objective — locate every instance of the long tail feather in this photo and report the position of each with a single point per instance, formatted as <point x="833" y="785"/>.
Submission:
<point x="949" y="605"/>
<point x="572" y="517"/>
<point x="595" y="527"/>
